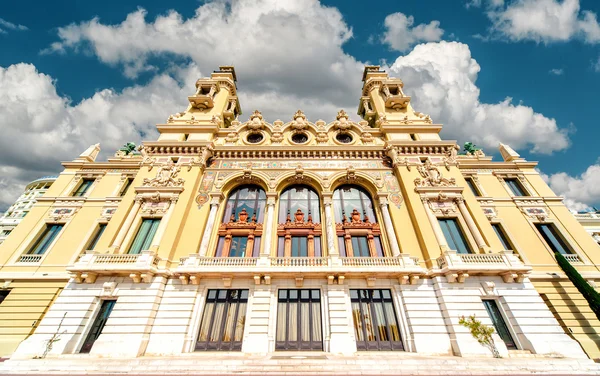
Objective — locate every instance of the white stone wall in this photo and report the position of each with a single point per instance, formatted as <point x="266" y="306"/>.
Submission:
<point x="163" y="317"/>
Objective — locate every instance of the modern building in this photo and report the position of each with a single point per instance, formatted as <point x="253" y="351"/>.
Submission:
<point x="328" y="236"/>
<point x="21" y="207"/>
<point x="591" y="222"/>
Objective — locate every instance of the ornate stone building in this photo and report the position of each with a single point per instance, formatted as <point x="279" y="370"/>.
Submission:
<point x="334" y="237"/>
<point x="21" y="207"/>
<point x="591" y="223"/>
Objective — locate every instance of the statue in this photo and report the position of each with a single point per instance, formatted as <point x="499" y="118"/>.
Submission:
<point x="128" y="148"/>
<point x="471" y="149"/>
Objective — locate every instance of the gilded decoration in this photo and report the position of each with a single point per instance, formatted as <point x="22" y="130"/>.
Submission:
<point x="166" y="176"/>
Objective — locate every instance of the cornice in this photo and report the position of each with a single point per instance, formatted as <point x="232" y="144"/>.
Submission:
<point x="118" y="164"/>
<point x="478" y="164"/>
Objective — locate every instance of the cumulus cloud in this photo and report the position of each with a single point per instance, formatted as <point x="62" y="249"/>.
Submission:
<point x="5" y="25"/>
<point x="400" y="34"/>
<point x="557" y="71"/>
<point x="441" y="79"/>
<point x="580" y="192"/>
<point x="40" y="128"/>
<point x="543" y="21"/>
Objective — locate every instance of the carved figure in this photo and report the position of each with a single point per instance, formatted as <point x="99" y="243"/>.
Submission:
<point x="128" y="148"/>
<point x="451" y="156"/>
<point x="470" y="148"/>
<point x="342" y="121"/>
<point x="432" y="177"/>
<point x="166" y="176"/>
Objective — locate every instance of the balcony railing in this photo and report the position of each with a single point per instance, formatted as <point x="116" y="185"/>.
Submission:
<point x="475" y="258"/>
<point x="372" y="261"/>
<point x="137" y="266"/>
<point x="573" y="259"/>
<point x="458" y="266"/>
<point x="299" y="261"/>
<point x="30" y="258"/>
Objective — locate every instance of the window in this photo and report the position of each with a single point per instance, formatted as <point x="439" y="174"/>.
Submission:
<point x="248" y="199"/>
<point x="499" y="323"/>
<point x="223" y="320"/>
<point x="472" y="186"/>
<point x="299" y="320"/>
<point x="502" y="236"/>
<point x="83" y="188"/>
<point x="515" y="187"/>
<point x="3" y="295"/>
<point x="375" y="322"/>
<point x="126" y="186"/>
<point x="553" y="238"/>
<point x="97" y="235"/>
<point x="299" y="229"/>
<point x="357" y="229"/>
<point x="99" y="323"/>
<point x="454" y="235"/>
<point x="45" y="239"/>
<point x="5" y="232"/>
<point x="144" y="236"/>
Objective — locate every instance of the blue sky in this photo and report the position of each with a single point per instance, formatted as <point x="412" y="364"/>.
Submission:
<point x="78" y="73"/>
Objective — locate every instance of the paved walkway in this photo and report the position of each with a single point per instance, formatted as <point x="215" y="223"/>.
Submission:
<point x="395" y="363"/>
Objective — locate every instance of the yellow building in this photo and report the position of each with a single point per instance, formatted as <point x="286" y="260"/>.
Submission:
<point x="259" y="237"/>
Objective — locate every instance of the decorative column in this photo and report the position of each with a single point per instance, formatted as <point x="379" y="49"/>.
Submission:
<point x="266" y="251"/>
<point x="160" y="231"/>
<point x="127" y="224"/>
<point x="437" y="230"/>
<point x="389" y="226"/>
<point x="471" y="224"/>
<point x="329" y="226"/>
<point x="210" y="223"/>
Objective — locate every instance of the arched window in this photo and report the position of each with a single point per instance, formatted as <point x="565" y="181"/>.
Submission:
<point x="356" y="223"/>
<point x="241" y="229"/>
<point x="299" y="227"/>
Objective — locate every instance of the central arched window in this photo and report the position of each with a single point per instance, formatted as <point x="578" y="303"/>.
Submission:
<point x="299" y="227"/>
<point x="356" y="224"/>
<point x="240" y="231"/>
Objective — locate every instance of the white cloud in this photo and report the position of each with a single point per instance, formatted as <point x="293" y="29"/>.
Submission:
<point x="4" y="25"/>
<point x="40" y="128"/>
<point x="557" y="71"/>
<point x="441" y="79"/>
<point x="596" y="65"/>
<point x="580" y="192"/>
<point x="400" y="34"/>
<point x="543" y="21"/>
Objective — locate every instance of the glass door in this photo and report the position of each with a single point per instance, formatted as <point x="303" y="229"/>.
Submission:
<point x="299" y="320"/>
<point x="223" y="320"/>
<point x="375" y="322"/>
<point x="499" y="324"/>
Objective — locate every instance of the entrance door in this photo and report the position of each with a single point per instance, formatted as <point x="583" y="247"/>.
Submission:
<point x="223" y="320"/>
<point x="375" y="322"/>
<point x="299" y="320"/>
<point x="98" y="325"/>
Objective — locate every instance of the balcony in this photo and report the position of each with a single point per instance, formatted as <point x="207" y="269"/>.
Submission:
<point x="458" y="266"/>
<point x="404" y="267"/>
<point x="30" y="259"/>
<point x="140" y="267"/>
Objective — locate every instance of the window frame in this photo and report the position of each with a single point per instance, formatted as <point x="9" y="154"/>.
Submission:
<point x="511" y="330"/>
<point x="464" y="235"/>
<point x="86" y="191"/>
<point x="99" y="230"/>
<point x="557" y="234"/>
<point x="135" y="233"/>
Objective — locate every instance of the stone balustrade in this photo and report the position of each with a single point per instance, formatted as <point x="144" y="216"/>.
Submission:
<point x="458" y="266"/>
<point x="139" y="267"/>
<point x="30" y="258"/>
<point x="573" y="259"/>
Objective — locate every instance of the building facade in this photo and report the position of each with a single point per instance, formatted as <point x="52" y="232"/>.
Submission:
<point x="21" y="207"/>
<point x="259" y="237"/>
<point x="591" y="223"/>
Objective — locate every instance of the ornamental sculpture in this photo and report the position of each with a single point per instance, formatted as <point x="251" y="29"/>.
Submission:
<point x="166" y="176"/>
<point x="342" y="122"/>
<point x="432" y="177"/>
<point x="299" y="122"/>
<point x="256" y="121"/>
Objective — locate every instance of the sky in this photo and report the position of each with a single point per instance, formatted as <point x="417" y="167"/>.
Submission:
<point x="521" y="72"/>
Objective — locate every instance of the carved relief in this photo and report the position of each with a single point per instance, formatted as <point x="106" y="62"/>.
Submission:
<point x="366" y="137"/>
<point x="322" y="137"/>
<point x="342" y="122"/>
<point x="432" y="177"/>
<point x="299" y="122"/>
<point x="232" y="137"/>
<point x="256" y="122"/>
<point x="166" y="176"/>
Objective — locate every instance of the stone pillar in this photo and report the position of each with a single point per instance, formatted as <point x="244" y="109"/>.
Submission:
<point x="127" y="224"/>
<point x="389" y="227"/>
<point x="437" y="230"/>
<point x="210" y="223"/>
<point x="258" y="335"/>
<point x="341" y="330"/>
<point x="266" y="250"/>
<point x="329" y="226"/>
<point x="163" y="225"/>
<point x="471" y="224"/>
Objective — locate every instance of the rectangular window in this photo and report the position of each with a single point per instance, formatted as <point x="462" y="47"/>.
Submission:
<point x="299" y="320"/>
<point x="256" y="250"/>
<point x="98" y="325"/>
<point x="375" y="322"/>
<point x="144" y="236"/>
<point x="342" y="246"/>
<point x="45" y="239"/>
<point x="472" y="186"/>
<point x="499" y="323"/>
<point x="299" y="246"/>
<point x="223" y="320"/>
<point x="360" y="246"/>
<point x="553" y="238"/>
<point x="502" y="236"/>
<point x="3" y="295"/>
<point x="96" y="236"/>
<point x="126" y="186"/>
<point x="317" y="241"/>
<point x="515" y="187"/>
<point x="238" y="246"/>
<point x="454" y="235"/>
<point x="83" y="188"/>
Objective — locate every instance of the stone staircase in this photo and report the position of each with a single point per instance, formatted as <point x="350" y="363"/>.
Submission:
<point x="302" y="363"/>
